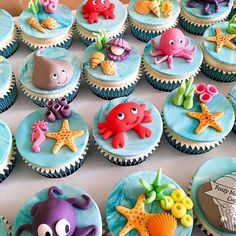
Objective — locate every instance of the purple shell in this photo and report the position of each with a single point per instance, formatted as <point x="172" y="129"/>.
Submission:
<point x="120" y="43"/>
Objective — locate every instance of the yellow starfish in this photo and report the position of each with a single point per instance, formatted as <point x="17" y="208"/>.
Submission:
<point x="137" y="217"/>
<point x="222" y="40"/>
<point x="206" y="119"/>
<point x="65" y="137"/>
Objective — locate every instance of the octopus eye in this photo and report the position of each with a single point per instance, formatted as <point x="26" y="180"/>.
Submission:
<point x="63" y="71"/>
<point x="44" y="230"/>
<point x="120" y="116"/>
<point x="103" y="1"/>
<point x="62" y="227"/>
<point x="94" y="2"/>
<point x="180" y="41"/>
<point x="134" y="110"/>
<point x="54" y="76"/>
<point x="171" y="42"/>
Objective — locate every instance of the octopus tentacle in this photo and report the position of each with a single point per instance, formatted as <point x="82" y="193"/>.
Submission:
<point x="89" y="230"/>
<point x="108" y="134"/>
<point x="52" y="192"/>
<point x="206" y="10"/>
<point x="156" y="54"/>
<point x="102" y="124"/>
<point x="192" y="4"/>
<point x="161" y="60"/>
<point x="170" y="61"/>
<point x="154" y="44"/>
<point x="26" y="227"/>
<point x="190" y="51"/>
<point x="78" y="203"/>
<point x="185" y="56"/>
<point x="187" y="44"/>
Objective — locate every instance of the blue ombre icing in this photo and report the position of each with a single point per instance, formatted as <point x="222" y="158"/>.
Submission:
<point x="63" y="163"/>
<point x="7" y="25"/>
<point x="4" y="228"/>
<point x="207" y="171"/>
<point x="84" y="218"/>
<point x="232" y="98"/>
<point x="39" y="96"/>
<point x="5" y="74"/>
<point x="126" y="193"/>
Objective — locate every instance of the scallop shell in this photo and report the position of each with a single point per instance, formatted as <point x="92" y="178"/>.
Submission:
<point x="108" y="67"/>
<point x="162" y="224"/>
<point x="49" y="23"/>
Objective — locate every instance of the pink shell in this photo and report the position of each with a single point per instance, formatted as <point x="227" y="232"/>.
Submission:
<point x="200" y="88"/>
<point x="205" y="97"/>
<point x="211" y="89"/>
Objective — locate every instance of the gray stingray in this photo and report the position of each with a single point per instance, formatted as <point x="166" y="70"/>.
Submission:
<point x="50" y="73"/>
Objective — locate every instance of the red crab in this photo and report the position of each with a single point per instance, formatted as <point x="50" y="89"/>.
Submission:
<point x="122" y="118"/>
<point x="93" y="8"/>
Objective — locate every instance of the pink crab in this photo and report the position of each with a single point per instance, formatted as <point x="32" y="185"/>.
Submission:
<point x="172" y="44"/>
<point x="122" y="118"/>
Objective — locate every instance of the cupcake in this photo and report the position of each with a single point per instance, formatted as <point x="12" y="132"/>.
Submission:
<point x="214" y="188"/>
<point x="54" y="140"/>
<point x="144" y="203"/>
<point x="109" y="15"/>
<point x="127" y="130"/>
<point x="196" y="15"/>
<point x="7" y="152"/>
<point x="219" y="52"/>
<point x="112" y="69"/>
<point x="233" y="11"/>
<point x="5" y="227"/>
<point x="197" y="118"/>
<point x="170" y="59"/>
<point x="9" y="40"/>
<point x="232" y="99"/>
<point x="49" y="74"/>
<point x="58" y="210"/>
<point x="8" y="89"/>
<point x="46" y="24"/>
<point x="149" y="19"/>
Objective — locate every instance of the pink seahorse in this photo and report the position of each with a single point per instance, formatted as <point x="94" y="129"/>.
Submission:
<point x="38" y="136"/>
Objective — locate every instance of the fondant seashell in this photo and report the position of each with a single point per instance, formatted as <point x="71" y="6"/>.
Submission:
<point x="155" y="8"/>
<point x="35" y="24"/>
<point x="108" y="67"/>
<point x="167" y="8"/>
<point x="49" y="23"/>
<point x="162" y="224"/>
<point x="96" y="59"/>
<point x="142" y="7"/>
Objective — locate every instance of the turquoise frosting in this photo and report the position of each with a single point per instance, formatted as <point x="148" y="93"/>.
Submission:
<point x="107" y="25"/>
<point x="197" y="11"/>
<point x="181" y="67"/>
<point x="5" y="74"/>
<point x="63" y="16"/>
<point x="151" y="19"/>
<point x="125" y="69"/>
<point x="126" y="193"/>
<point x="225" y="55"/>
<point x="233" y="97"/>
<point x="184" y="126"/>
<point x="26" y="70"/>
<point x="5" y="141"/>
<point x="46" y="158"/>
<point x="3" y="228"/>
<point x="91" y="216"/>
<point x="7" y="25"/>
<point x="207" y="172"/>
<point x="133" y="144"/>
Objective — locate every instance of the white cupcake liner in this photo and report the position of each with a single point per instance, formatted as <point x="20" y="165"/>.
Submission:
<point x="8" y="225"/>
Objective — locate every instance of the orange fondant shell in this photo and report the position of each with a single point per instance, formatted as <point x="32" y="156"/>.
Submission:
<point x="142" y="7"/>
<point x="96" y="59"/>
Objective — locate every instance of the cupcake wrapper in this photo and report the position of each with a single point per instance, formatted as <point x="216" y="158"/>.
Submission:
<point x="232" y="13"/>
<point x="217" y="75"/>
<point x="8" y="226"/>
<point x="10" y="97"/>
<point x="105" y="229"/>
<point x="234" y="128"/>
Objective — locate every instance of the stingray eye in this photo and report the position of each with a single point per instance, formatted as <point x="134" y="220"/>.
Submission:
<point x="54" y="76"/>
<point x="62" y="227"/>
<point x="171" y="42"/>
<point x="180" y="41"/>
<point x="120" y="116"/>
<point x="134" y="110"/>
<point x="103" y="1"/>
<point x="44" y="230"/>
<point x="63" y="71"/>
<point x="94" y="2"/>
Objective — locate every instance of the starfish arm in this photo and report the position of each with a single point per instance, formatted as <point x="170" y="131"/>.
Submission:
<point x="201" y="128"/>
<point x="71" y="145"/>
<point x="217" y="127"/>
<point x="57" y="147"/>
<point x="140" y="202"/>
<point x="230" y="45"/>
<point x="211" y="39"/>
<point x="52" y="135"/>
<point x="123" y="210"/>
<point x="194" y="115"/>
<point x="218" y="114"/>
<point x="127" y="228"/>
<point x="204" y="107"/>
<point x="77" y="133"/>
<point x="218" y="31"/>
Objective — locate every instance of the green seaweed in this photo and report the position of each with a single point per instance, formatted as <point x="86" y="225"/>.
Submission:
<point x="101" y="39"/>
<point x="34" y="6"/>
<point x="232" y="25"/>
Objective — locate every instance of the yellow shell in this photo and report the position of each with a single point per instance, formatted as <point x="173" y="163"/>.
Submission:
<point x="96" y="59"/>
<point x="167" y="8"/>
<point x="142" y="7"/>
<point x="35" y="24"/>
<point x="49" y="23"/>
<point x="162" y="224"/>
<point x="109" y="67"/>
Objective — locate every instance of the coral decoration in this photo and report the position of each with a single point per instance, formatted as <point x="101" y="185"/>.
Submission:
<point x="50" y="6"/>
<point x="167" y="8"/>
<point x="94" y="8"/>
<point x="207" y="4"/>
<point x="96" y="59"/>
<point x="206" y="92"/>
<point x="232" y="26"/>
<point x="38" y="136"/>
<point x="33" y="21"/>
<point x="50" y="23"/>
<point x="122" y="118"/>
<point x="57" y="216"/>
<point x="172" y="44"/>
<point x="56" y="111"/>
<point x="101" y="39"/>
<point x="34" y="6"/>
<point x="109" y="67"/>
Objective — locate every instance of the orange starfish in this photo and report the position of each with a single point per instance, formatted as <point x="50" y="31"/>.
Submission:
<point x="222" y="40"/>
<point x="206" y="119"/>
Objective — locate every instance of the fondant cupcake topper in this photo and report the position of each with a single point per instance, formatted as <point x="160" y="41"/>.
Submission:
<point x="50" y="6"/>
<point x="101" y="39"/>
<point x="232" y="25"/>
<point x="34" y="6"/>
<point x="172" y="44"/>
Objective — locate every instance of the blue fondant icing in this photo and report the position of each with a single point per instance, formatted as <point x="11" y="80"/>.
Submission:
<point x="152" y="20"/>
<point x="207" y="172"/>
<point x="184" y="126"/>
<point x="46" y="158"/>
<point x="26" y="70"/>
<point x="225" y="55"/>
<point x="233" y="97"/>
<point x="84" y="218"/>
<point x="125" y="69"/>
<point x="181" y="67"/>
<point x="125" y="194"/>
<point x="3" y="228"/>
<point x="133" y="144"/>
<point x="7" y="25"/>
<point x="5" y="74"/>
<point x="63" y="16"/>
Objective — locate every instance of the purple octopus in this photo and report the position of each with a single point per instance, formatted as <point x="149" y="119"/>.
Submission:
<point x="57" y="217"/>
<point x="207" y="4"/>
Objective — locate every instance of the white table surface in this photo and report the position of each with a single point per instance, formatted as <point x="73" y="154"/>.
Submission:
<point x="98" y="176"/>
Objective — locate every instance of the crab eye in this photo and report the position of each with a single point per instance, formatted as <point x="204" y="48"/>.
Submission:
<point x="94" y="2"/>
<point x="62" y="227"/>
<point x="180" y="41"/>
<point x="54" y="76"/>
<point x="103" y="1"/>
<point x="171" y="42"/>
<point x="134" y="110"/>
<point x="120" y="116"/>
<point x="44" y="230"/>
<point x="63" y="71"/>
